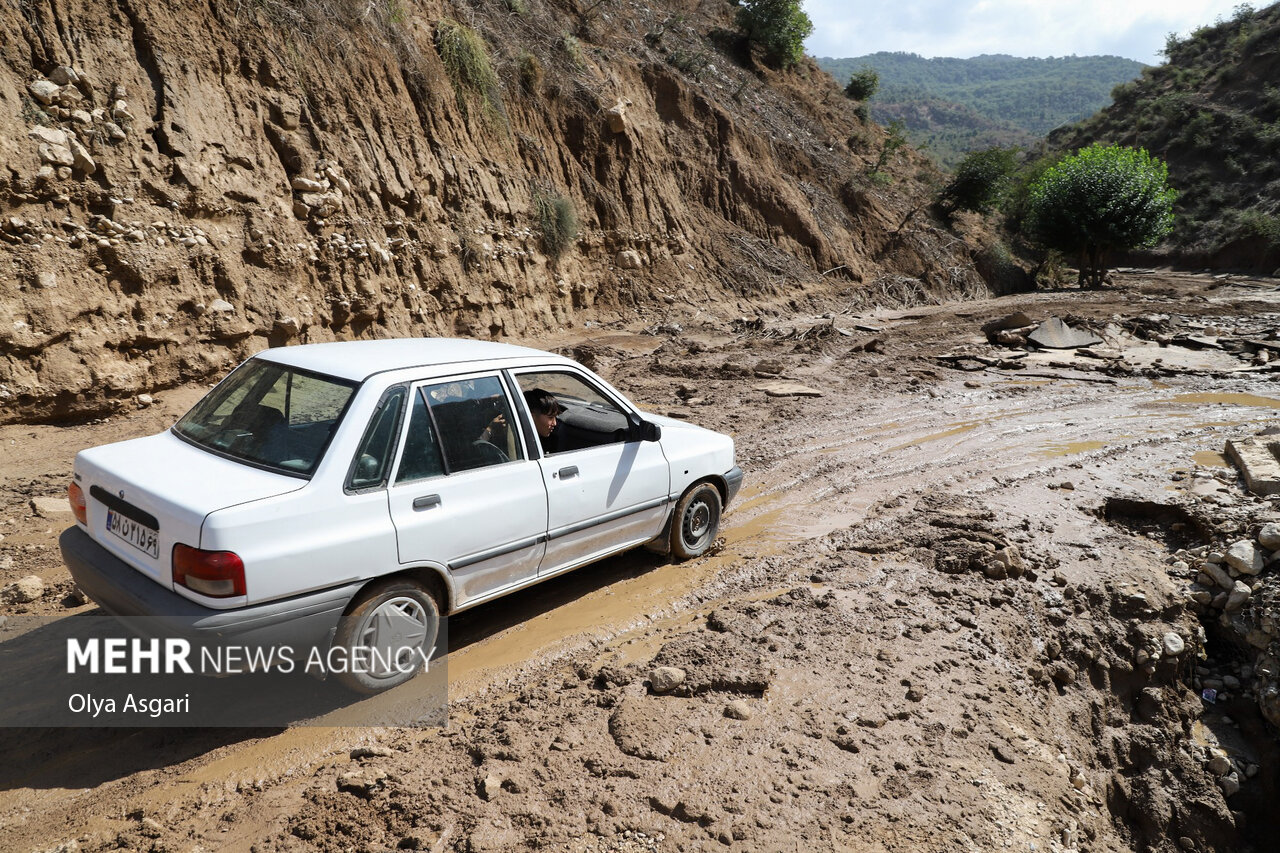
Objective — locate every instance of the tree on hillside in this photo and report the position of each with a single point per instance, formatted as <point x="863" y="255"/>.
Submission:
<point x="980" y="180"/>
<point x="778" y="26"/>
<point x="863" y="84"/>
<point x="1100" y="199"/>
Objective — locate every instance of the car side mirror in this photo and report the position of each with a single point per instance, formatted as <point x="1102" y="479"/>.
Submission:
<point x="642" y="430"/>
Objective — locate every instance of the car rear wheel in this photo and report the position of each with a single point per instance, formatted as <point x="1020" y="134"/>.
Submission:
<point x="696" y="522"/>
<point x="388" y="635"/>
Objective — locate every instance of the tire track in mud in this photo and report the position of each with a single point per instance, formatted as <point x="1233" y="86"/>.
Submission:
<point x="982" y="440"/>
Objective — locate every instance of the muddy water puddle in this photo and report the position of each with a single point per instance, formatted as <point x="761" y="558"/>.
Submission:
<point x="958" y="429"/>
<point x="1210" y="459"/>
<point x="1227" y="399"/>
<point x="612" y="606"/>
<point x="771" y="528"/>
<point x="1071" y="448"/>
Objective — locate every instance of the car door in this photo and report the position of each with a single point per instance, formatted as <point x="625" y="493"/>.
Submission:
<point x="464" y="494"/>
<point x="605" y="490"/>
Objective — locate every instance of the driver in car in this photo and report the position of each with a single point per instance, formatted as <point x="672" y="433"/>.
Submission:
<point x="544" y="407"/>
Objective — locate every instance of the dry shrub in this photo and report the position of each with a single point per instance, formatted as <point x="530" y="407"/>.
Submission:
<point x="466" y="62"/>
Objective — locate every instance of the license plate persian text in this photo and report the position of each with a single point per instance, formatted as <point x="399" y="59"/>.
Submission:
<point x="138" y="535"/>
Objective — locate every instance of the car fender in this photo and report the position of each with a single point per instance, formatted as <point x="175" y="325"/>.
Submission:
<point x="694" y="454"/>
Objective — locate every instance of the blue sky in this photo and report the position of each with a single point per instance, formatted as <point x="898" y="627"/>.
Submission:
<point x="1135" y="29"/>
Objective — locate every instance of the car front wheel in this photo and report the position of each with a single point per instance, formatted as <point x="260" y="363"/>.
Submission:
<point x="696" y="522"/>
<point x="388" y="635"/>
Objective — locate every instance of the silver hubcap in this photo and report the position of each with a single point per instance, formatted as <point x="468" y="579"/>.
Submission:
<point x="394" y="634"/>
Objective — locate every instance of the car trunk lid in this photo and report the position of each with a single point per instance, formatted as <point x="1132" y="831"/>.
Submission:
<point x="147" y="494"/>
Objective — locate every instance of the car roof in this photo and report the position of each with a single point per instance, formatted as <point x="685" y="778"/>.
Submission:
<point x="358" y="360"/>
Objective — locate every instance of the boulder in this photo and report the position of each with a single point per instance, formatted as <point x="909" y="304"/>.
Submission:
<point x="788" y="389"/>
<point x="616" y="116"/>
<point x="44" y="91"/>
<point x="629" y="259"/>
<point x="57" y="155"/>
<point x="1269" y="536"/>
<point x="1238" y="597"/>
<point x="1218" y="574"/>
<point x="1245" y="557"/>
<point x="1017" y="320"/>
<point x="45" y="507"/>
<point x="64" y="75"/>
<point x="24" y="591"/>
<point x="664" y="679"/>
<point x="81" y="161"/>
<point x="51" y="135"/>
<point x="308" y="185"/>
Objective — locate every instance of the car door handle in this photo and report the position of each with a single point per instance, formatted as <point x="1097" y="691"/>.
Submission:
<point x="566" y="473"/>
<point x="426" y="502"/>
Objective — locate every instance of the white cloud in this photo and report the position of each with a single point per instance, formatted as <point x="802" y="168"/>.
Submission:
<point x="1136" y="29"/>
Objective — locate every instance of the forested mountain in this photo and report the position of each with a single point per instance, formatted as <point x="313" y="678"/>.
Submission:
<point x="957" y="105"/>
<point x="1212" y="111"/>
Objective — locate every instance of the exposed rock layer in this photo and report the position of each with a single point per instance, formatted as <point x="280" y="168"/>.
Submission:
<point x="185" y="185"/>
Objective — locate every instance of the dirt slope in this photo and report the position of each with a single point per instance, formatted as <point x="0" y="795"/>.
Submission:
<point x="184" y="185"/>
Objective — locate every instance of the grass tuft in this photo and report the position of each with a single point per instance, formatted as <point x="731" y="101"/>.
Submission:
<point x="466" y="61"/>
<point x="557" y="223"/>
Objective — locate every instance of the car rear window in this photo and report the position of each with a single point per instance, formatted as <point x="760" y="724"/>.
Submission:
<point x="270" y="416"/>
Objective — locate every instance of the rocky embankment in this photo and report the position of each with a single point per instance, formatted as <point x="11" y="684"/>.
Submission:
<point x="186" y="185"/>
<point x="1235" y="588"/>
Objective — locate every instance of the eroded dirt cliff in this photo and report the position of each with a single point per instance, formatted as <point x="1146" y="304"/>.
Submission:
<point x="182" y="185"/>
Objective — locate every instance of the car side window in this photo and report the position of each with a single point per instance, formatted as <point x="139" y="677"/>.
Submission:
<point x="587" y="418"/>
<point x="459" y="426"/>
<point x="473" y="418"/>
<point x="373" y="459"/>
<point x="421" y="457"/>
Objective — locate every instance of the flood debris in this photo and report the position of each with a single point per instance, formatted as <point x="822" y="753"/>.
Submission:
<point x="1156" y="345"/>
<point x="1055" y="334"/>
<point x="975" y="361"/>
<point x="1010" y="330"/>
<point x="1258" y="459"/>
<point x="788" y="389"/>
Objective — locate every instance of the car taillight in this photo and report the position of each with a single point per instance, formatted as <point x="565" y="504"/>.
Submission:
<point x="75" y="494"/>
<point x="218" y="574"/>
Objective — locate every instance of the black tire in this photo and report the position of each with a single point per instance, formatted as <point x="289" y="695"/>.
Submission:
<point x="696" y="522"/>
<point x="399" y="619"/>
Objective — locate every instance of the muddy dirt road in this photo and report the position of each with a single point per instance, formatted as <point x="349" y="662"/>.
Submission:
<point x="955" y="609"/>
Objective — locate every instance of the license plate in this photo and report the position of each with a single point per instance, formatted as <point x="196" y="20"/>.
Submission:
<point x="138" y="535"/>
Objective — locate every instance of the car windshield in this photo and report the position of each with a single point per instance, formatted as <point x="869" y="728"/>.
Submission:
<point x="270" y="416"/>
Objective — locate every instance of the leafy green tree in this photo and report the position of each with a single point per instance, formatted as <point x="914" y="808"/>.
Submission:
<point x="1100" y="199"/>
<point x="980" y="180"/>
<point x="778" y="26"/>
<point x="863" y="84"/>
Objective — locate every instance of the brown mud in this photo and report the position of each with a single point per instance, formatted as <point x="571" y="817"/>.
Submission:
<point x="935" y="622"/>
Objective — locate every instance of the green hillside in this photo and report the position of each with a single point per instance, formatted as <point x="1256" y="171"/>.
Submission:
<point x="953" y="106"/>
<point x="1212" y="111"/>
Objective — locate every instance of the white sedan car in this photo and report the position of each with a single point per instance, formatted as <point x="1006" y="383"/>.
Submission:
<point x="346" y="495"/>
